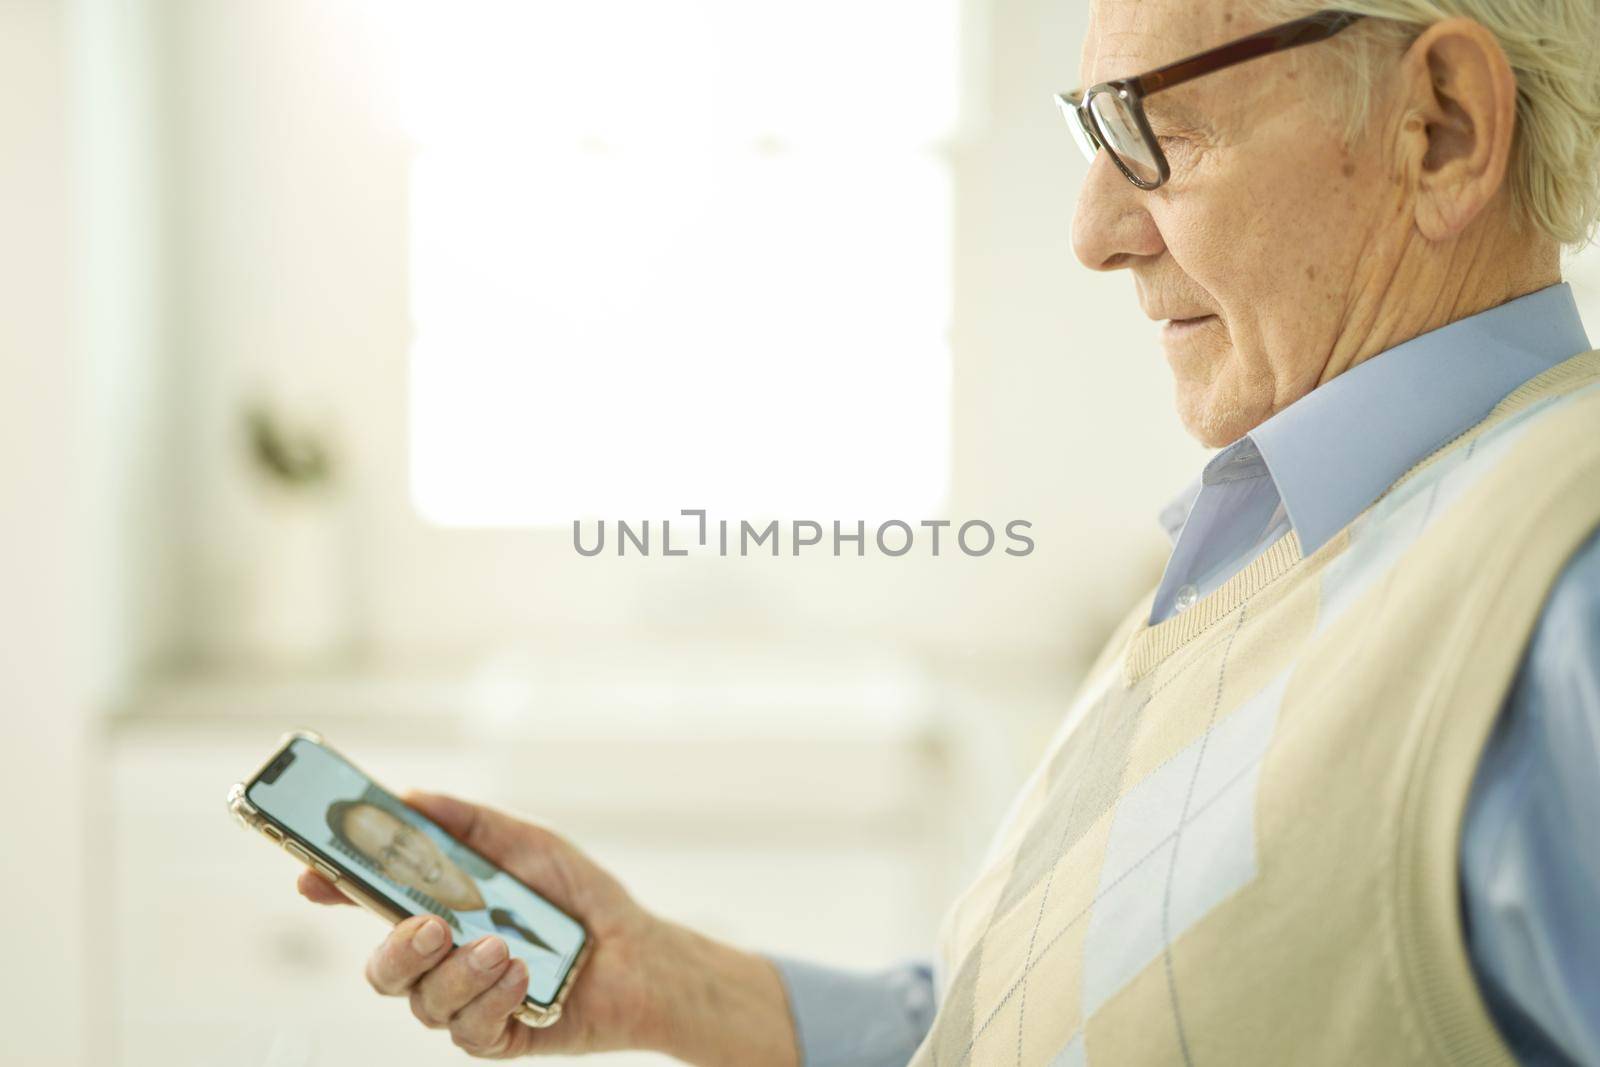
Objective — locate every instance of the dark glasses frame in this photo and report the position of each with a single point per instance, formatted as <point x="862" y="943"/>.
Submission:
<point x="1129" y="93"/>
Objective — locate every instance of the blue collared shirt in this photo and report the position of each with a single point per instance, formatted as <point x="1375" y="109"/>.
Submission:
<point x="1529" y="896"/>
<point x="1319" y="462"/>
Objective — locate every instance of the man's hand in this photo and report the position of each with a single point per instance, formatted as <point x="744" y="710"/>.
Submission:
<point x="648" y="984"/>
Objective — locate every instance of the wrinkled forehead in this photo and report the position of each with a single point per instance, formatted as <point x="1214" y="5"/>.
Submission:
<point x="1129" y="37"/>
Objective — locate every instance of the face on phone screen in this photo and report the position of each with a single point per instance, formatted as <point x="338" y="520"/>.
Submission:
<point x="409" y="860"/>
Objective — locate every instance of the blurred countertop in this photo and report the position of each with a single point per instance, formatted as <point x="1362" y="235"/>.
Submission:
<point x="848" y="734"/>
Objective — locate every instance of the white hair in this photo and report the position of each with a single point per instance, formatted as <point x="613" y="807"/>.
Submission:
<point x="1553" y="47"/>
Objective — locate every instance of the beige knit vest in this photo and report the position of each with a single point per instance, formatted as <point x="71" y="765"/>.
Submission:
<point x="1241" y="847"/>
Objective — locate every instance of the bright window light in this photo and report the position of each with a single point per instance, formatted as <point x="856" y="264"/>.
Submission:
<point x="676" y="255"/>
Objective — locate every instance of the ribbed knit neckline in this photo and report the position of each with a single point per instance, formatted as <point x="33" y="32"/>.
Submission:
<point x="1148" y="646"/>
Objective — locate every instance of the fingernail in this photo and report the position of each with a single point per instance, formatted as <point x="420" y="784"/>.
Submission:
<point x="428" y="938"/>
<point x="488" y="953"/>
<point x="513" y="975"/>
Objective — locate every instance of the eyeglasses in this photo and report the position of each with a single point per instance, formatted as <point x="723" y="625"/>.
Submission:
<point x="1111" y="114"/>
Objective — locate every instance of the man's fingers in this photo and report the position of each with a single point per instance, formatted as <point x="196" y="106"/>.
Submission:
<point x="483" y="1026"/>
<point x="318" y="889"/>
<point x="456" y="816"/>
<point x="412" y="949"/>
<point x="495" y="834"/>
<point x="450" y="986"/>
<point x="525" y="850"/>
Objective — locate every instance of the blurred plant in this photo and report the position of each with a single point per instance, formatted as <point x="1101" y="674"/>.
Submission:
<point x="295" y="458"/>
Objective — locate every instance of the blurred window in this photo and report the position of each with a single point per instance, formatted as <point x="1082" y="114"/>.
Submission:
<point x="672" y="254"/>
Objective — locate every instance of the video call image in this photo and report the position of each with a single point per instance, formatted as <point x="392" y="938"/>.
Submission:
<point x="418" y="866"/>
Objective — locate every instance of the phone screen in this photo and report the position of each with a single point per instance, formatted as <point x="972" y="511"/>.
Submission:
<point x="409" y="860"/>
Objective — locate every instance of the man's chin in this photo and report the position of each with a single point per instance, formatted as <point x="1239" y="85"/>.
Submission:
<point x="1194" y="347"/>
<point x="1212" y="422"/>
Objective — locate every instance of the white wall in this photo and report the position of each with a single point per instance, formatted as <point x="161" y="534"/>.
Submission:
<point x="82" y="496"/>
<point x="41" y="689"/>
<point x="119" y="145"/>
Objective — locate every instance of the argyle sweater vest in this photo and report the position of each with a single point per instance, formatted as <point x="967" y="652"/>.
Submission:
<point x="1242" y="845"/>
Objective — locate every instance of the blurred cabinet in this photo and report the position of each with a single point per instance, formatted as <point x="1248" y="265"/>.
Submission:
<point x="816" y="840"/>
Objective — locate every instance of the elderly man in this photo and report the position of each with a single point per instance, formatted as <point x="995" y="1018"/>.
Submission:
<point x="1329" y="793"/>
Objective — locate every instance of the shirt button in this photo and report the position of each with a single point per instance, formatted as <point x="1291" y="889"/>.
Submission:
<point x="1187" y="595"/>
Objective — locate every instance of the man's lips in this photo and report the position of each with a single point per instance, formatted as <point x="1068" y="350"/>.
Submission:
<point x="1182" y="327"/>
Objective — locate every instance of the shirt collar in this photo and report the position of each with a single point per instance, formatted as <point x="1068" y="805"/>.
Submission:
<point x="1336" y="449"/>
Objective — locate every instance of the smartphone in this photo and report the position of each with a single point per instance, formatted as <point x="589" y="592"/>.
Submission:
<point x="396" y="862"/>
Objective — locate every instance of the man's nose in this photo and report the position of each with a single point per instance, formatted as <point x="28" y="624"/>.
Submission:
<point x="1111" y="228"/>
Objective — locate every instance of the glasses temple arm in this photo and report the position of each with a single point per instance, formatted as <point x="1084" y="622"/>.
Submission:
<point x="1303" y="31"/>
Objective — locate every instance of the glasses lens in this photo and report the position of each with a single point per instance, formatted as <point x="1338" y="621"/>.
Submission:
<point x="1120" y="129"/>
<point x="1080" y="135"/>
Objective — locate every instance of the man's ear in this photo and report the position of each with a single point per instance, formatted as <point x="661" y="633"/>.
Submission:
<point x="1461" y="101"/>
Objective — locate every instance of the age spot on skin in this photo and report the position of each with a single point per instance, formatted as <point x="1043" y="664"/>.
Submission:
<point x="1348" y="169"/>
<point x="1311" y="273"/>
